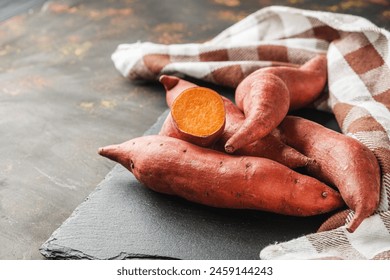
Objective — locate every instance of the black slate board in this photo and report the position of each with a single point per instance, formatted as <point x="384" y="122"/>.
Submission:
<point x="122" y="219"/>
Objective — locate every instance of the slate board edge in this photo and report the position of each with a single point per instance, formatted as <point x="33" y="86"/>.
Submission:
<point x="53" y="251"/>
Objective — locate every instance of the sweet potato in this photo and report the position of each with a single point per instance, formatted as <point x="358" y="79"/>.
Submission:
<point x="265" y="102"/>
<point x="212" y="178"/>
<point x="266" y="95"/>
<point x="269" y="146"/>
<point x="198" y="116"/>
<point x="341" y="161"/>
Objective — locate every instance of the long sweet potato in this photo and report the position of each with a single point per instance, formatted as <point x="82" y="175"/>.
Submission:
<point x="212" y="178"/>
<point x="266" y="95"/>
<point x="341" y="161"/>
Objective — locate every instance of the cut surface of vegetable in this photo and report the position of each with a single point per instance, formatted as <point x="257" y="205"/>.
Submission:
<point x="199" y="113"/>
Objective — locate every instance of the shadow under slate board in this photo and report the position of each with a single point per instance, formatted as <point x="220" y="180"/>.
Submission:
<point x="122" y="219"/>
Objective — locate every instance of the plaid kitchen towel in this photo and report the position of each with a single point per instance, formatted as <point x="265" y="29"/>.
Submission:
<point x="359" y="96"/>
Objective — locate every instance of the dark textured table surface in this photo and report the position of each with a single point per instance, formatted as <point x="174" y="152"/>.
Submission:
<point x="61" y="98"/>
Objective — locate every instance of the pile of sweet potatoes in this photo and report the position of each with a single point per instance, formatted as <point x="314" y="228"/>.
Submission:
<point x="244" y="154"/>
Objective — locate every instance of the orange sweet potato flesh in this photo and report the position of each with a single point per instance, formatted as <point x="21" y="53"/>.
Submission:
<point x="268" y="147"/>
<point x="198" y="116"/>
<point x="341" y="161"/>
<point x="173" y="166"/>
<point x="199" y="110"/>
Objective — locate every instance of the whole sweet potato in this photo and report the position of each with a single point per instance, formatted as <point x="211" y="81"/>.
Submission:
<point x="212" y="178"/>
<point x="341" y="161"/>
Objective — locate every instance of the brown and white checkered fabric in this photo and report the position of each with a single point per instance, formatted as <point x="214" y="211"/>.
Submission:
<point x="359" y="96"/>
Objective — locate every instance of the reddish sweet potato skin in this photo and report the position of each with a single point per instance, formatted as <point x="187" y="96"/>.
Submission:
<point x="265" y="101"/>
<point x="269" y="146"/>
<point x="341" y="161"/>
<point x="304" y="83"/>
<point x="169" y="129"/>
<point x="208" y="177"/>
